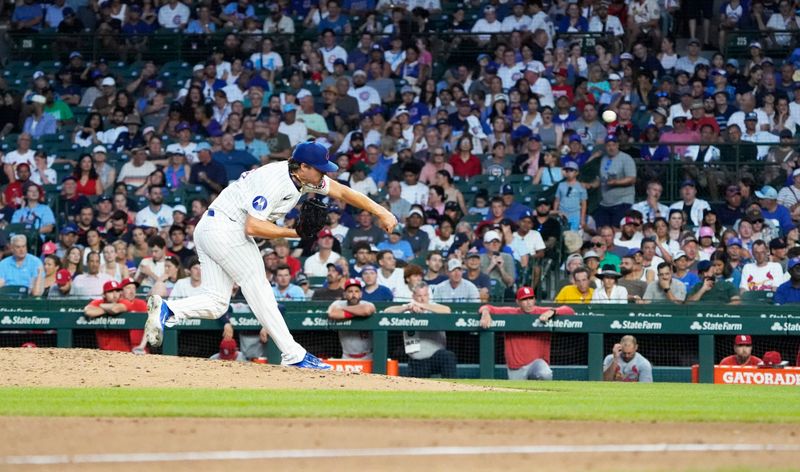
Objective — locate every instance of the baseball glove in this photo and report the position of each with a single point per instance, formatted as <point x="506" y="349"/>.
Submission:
<point x="313" y="216"/>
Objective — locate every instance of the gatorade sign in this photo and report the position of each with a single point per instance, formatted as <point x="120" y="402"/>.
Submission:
<point x="756" y="376"/>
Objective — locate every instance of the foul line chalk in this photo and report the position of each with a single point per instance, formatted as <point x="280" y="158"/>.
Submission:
<point x="142" y="457"/>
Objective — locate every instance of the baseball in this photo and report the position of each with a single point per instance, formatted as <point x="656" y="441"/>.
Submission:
<point x="609" y="116"/>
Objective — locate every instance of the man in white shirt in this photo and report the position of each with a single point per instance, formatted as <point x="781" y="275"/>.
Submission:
<point x="360" y="181"/>
<point x="277" y="22"/>
<point x="330" y="51"/>
<point x="757" y="136"/>
<point x="155" y="210"/>
<point x="541" y="21"/>
<point x="22" y="155"/>
<point x="136" y="171"/>
<point x="366" y="96"/>
<point x="90" y="283"/>
<point x="295" y="130"/>
<point x="747" y="102"/>
<point x="389" y="275"/>
<point x="761" y="274"/>
<point x="316" y="265"/>
<point x="689" y="204"/>
<point x="652" y="208"/>
<point x="174" y="15"/>
<point x="151" y="269"/>
<point x="411" y="189"/>
<point x="487" y="24"/>
<point x="539" y="85"/>
<point x="794" y="106"/>
<point x="518" y="20"/>
<point x="784" y="21"/>
<point x="510" y="72"/>
<point x="690" y="61"/>
<point x="188" y="286"/>
<point x="605" y="23"/>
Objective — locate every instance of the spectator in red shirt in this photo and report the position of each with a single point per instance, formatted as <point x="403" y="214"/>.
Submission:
<point x="699" y="119"/>
<point x="562" y="88"/>
<point x="465" y="164"/>
<point x="109" y="305"/>
<point x="86" y="178"/>
<point x="743" y="347"/>
<point x="14" y="193"/>
<point x="282" y="250"/>
<point x="527" y="354"/>
<point x="357" y="153"/>
<point x="134" y="305"/>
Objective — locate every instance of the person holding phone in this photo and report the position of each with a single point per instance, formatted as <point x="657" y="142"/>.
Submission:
<point x="712" y="288"/>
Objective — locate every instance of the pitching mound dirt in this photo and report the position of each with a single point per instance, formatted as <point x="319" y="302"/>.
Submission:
<point x="92" y="368"/>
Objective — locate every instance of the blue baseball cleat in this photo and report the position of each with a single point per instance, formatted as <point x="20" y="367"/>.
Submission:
<point x="312" y="362"/>
<point x="157" y="314"/>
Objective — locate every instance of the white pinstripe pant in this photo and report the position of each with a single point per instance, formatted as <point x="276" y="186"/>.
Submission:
<point x="226" y="256"/>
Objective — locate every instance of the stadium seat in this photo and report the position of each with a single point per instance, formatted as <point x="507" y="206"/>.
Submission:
<point x="14" y="291"/>
<point x="757" y="296"/>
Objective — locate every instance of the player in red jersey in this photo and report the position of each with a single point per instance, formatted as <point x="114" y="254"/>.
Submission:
<point x="527" y="354"/>
<point x="743" y="347"/>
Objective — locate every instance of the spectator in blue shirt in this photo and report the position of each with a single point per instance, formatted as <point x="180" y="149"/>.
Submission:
<point x="514" y="210"/>
<point x="284" y="289"/>
<point x="400" y="248"/>
<point x="27" y="17"/>
<point x="571" y="198"/>
<point x="374" y="292"/>
<point x="235" y="162"/>
<point x="573" y="22"/>
<point x="789" y="291"/>
<point x="208" y="172"/>
<point x="771" y="210"/>
<point x="203" y="24"/>
<point x="379" y="163"/>
<point x="20" y="268"/>
<point x="234" y="13"/>
<point x="34" y="215"/>
<point x="335" y="20"/>
<point x="39" y="123"/>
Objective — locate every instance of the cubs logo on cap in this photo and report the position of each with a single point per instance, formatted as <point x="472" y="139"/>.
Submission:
<point x="743" y="340"/>
<point x="525" y="292"/>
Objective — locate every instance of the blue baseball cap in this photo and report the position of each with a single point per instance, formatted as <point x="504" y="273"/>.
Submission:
<point x="767" y="192"/>
<point x="792" y="263"/>
<point x="752" y="116"/>
<point x="703" y="266"/>
<point x="70" y="228"/>
<point x="204" y="146"/>
<point x="633" y="251"/>
<point x="289" y="108"/>
<point x="314" y="154"/>
<point x="182" y="126"/>
<point x="507" y="189"/>
<point x="611" y="138"/>
<point x="369" y="267"/>
<point x="521" y="132"/>
<point x="734" y="242"/>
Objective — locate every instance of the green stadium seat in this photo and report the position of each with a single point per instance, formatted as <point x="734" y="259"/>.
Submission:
<point x="316" y="281"/>
<point x="757" y="297"/>
<point x="14" y="291"/>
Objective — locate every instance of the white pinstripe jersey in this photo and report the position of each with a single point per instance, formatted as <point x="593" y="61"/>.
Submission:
<point x="266" y="193"/>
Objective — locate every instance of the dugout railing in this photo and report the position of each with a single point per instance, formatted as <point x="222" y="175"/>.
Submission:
<point x="705" y="332"/>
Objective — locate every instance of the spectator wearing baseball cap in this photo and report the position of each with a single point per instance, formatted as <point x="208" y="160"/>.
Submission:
<point x="681" y="263"/>
<point x="355" y="344"/>
<point x="571" y="198"/>
<point x="228" y="348"/>
<point x="617" y="184"/>
<point x="527" y="354"/>
<point x="743" y="352"/>
<point x="732" y="210"/>
<point x="109" y="305"/>
<point x="789" y="195"/>
<point x="495" y="262"/>
<point x="690" y="204"/>
<point x="373" y="291"/>
<point x="712" y="288"/>
<point x="335" y="284"/>
<point x="770" y="209"/>
<point x="789" y="291"/>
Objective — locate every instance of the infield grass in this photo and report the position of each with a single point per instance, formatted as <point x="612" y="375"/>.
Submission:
<point x="533" y="400"/>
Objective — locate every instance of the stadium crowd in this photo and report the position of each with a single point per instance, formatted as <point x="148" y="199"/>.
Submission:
<point x="477" y="124"/>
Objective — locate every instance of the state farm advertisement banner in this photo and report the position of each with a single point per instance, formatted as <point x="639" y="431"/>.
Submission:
<point x="756" y="375"/>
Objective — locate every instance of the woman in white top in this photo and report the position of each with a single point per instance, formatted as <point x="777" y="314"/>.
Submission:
<point x="532" y="118"/>
<point x="668" y="57"/>
<point x="112" y="267"/>
<point x="610" y="292"/>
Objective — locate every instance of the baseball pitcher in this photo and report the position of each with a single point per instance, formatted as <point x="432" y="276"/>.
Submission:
<point x="246" y="209"/>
